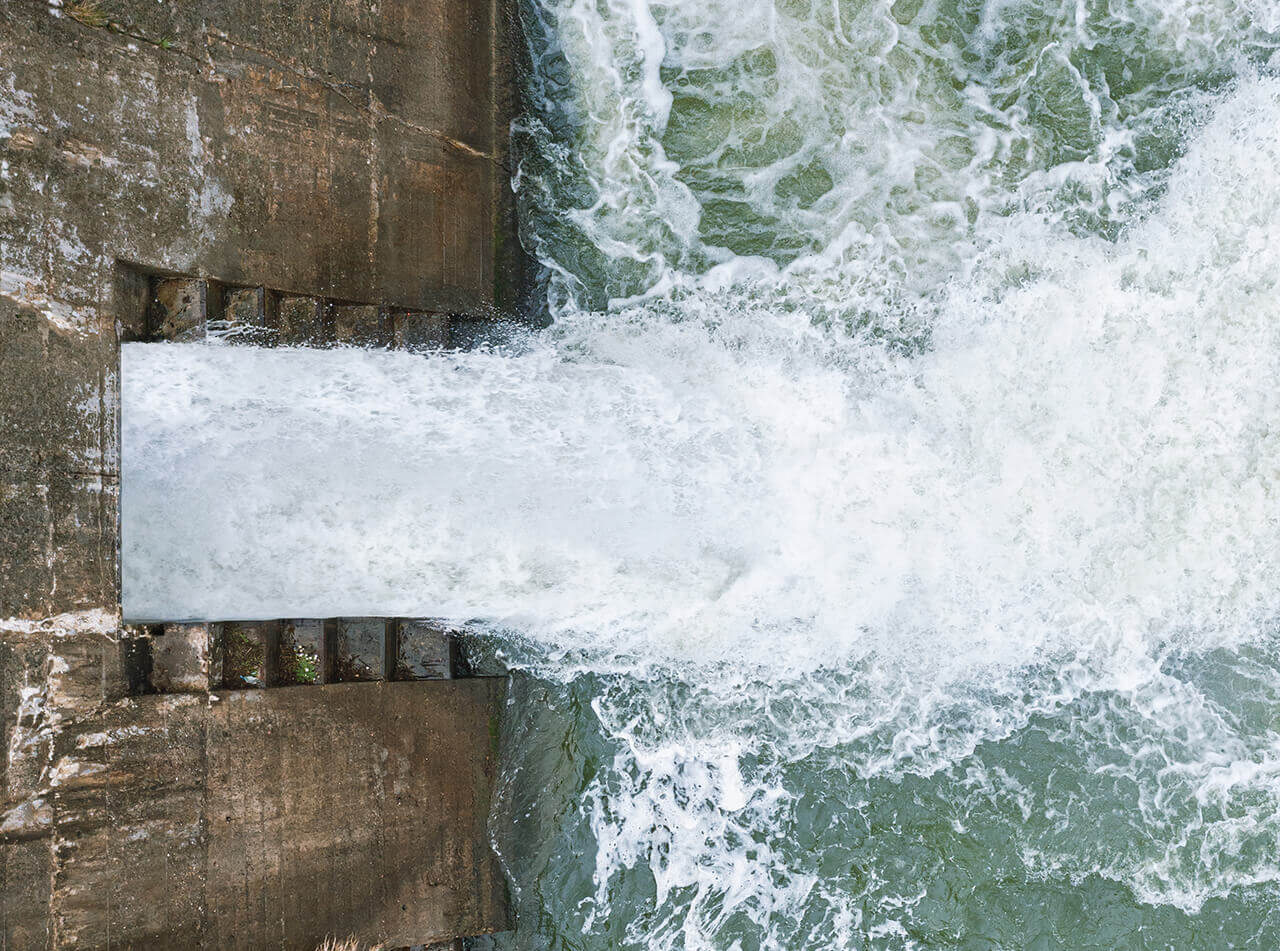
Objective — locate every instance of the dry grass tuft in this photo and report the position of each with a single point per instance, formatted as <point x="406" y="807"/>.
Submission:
<point x="345" y="944"/>
<point x="88" y="12"/>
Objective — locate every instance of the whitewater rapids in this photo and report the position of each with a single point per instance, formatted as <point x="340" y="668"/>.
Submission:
<point x="1089" y="452"/>
<point x="891" y="568"/>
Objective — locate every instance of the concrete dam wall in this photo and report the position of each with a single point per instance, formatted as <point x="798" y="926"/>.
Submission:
<point x="301" y="172"/>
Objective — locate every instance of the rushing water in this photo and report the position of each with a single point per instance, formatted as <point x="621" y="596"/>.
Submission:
<point x="886" y="532"/>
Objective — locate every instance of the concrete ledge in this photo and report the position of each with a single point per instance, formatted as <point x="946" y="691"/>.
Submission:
<point x="262" y="819"/>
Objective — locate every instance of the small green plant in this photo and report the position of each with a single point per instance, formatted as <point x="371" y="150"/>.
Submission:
<point x="304" y="668"/>
<point x="298" y="664"/>
<point x="88" y="12"/>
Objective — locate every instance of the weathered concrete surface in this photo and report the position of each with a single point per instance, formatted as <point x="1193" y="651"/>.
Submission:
<point x="51" y="672"/>
<point x="352" y="150"/>
<point x="243" y="819"/>
<point x="58" y="457"/>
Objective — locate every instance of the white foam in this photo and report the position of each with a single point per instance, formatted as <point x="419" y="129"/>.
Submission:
<point x="1087" y="448"/>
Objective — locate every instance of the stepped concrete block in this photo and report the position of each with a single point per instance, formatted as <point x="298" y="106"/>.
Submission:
<point x="362" y="325"/>
<point x="305" y="320"/>
<point x="246" y="313"/>
<point x="249" y="653"/>
<point x="180" y="309"/>
<point x="415" y="330"/>
<point x="180" y="658"/>
<point x="428" y="651"/>
<point x="362" y="648"/>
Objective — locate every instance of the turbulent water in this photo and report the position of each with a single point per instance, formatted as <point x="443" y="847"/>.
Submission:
<point x="886" y="531"/>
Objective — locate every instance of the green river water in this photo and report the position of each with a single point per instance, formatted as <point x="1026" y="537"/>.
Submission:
<point x="1012" y="269"/>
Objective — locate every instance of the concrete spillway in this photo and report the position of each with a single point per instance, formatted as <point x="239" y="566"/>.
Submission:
<point x="158" y="161"/>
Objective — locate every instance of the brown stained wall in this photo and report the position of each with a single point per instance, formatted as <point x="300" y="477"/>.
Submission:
<point x="344" y="149"/>
<point x="241" y="819"/>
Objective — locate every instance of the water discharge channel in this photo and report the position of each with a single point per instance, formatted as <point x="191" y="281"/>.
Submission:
<point x="885" y="534"/>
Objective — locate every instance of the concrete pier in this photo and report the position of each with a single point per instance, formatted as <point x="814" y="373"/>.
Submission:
<point x="301" y="171"/>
